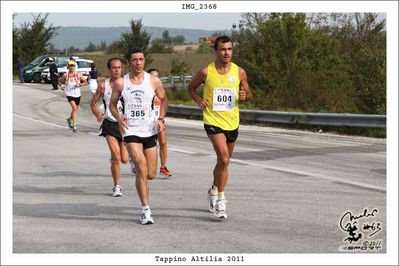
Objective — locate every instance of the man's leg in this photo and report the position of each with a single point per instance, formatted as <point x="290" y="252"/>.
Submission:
<point x="54" y="82"/>
<point x="145" y="162"/>
<point x="116" y="158"/>
<point x="123" y="152"/>
<point x="136" y="153"/>
<point x="163" y="153"/>
<point x="223" y="153"/>
<point x="162" y="147"/>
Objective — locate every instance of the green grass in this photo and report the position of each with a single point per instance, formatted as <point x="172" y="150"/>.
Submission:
<point x="160" y="61"/>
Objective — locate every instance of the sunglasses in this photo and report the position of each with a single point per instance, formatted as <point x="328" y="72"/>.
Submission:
<point x="72" y="65"/>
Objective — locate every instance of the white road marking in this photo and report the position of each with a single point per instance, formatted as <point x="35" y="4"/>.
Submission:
<point x="290" y="171"/>
<point x="39" y="121"/>
<point x="263" y="166"/>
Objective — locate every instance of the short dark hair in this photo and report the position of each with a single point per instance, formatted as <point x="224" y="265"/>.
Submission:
<point x="152" y="70"/>
<point x="134" y="50"/>
<point x="221" y="39"/>
<point x="112" y="59"/>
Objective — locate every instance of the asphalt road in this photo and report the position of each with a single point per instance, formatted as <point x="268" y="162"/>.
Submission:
<point x="287" y="193"/>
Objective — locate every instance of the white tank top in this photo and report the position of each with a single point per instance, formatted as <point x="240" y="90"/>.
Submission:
<point x="71" y="85"/>
<point x="106" y="100"/>
<point x="137" y="100"/>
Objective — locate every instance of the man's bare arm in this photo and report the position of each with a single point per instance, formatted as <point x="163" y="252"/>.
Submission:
<point x="96" y="97"/>
<point x="245" y="92"/>
<point x="195" y="84"/>
<point x="117" y="87"/>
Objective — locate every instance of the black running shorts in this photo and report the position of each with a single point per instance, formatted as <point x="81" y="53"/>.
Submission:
<point x="73" y="99"/>
<point x="231" y="135"/>
<point x="110" y="128"/>
<point x="148" y="142"/>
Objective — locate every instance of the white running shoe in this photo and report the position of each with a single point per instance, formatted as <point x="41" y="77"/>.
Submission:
<point x="145" y="216"/>
<point x="132" y="167"/>
<point x="117" y="191"/>
<point x="220" y="208"/>
<point x="212" y="201"/>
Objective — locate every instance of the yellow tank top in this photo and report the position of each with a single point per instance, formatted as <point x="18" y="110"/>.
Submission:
<point x="222" y="93"/>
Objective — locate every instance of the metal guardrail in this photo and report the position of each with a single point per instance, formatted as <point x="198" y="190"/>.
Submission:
<point x="297" y="118"/>
<point x="172" y="79"/>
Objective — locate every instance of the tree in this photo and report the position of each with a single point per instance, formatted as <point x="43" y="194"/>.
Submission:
<point x="179" y="67"/>
<point x="362" y="42"/>
<point x="292" y="66"/>
<point x="166" y="39"/>
<point x="91" y="47"/>
<point x="204" y="48"/>
<point x="158" y="47"/>
<point x="178" y="39"/>
<point x="16" y="53"/>
<point x="137" y="38"/>
<point x="33" y="39"/>
<point x="217" y="34"/>
<point x="102" y="46"/>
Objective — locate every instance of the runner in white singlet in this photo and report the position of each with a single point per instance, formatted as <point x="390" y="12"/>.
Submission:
<point x="137" y="124"/>
<point x="109" y="126"/>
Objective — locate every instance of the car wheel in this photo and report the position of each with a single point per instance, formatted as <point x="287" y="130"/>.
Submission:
<point x="37" y="78"/>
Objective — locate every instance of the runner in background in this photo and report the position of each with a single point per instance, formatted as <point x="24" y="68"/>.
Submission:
<point x="109" y="126"/>
<point x="163" y="149"/>
<point x="71" y="83"/>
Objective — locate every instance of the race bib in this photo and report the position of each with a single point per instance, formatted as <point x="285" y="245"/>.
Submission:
<point x="224" y="99"/>
<point x="71" y="88"/>
<point x="137" y="114"/>
<point x="157" y="111"/>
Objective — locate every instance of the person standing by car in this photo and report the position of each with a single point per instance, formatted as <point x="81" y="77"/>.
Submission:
<point x="71" y="83"/>
<point x="93" y="75"/>
<point x="20" y="67"/>
<point x="53" y="73"/>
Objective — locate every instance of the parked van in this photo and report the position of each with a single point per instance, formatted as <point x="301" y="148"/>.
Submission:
<point x="33" y="71"/>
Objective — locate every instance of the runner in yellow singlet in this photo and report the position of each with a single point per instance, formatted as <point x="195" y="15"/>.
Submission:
<point x="225" y="84"/>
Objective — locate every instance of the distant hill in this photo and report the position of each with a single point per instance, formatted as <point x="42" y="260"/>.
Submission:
<point x="79" y="37"/>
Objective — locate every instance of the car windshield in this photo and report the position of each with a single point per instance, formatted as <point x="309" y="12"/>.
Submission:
<point x="62" y="61"/>
<point x="37" y="60"/>
<point x="62" y="64"/>
<point x="84" y="64"/>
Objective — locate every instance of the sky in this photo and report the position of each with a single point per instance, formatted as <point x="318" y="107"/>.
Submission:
<point x="203" y="21"/>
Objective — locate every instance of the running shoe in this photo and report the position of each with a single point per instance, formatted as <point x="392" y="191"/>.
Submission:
<point x="165" y="172"/>
<point x="69" y="121"/>
<point x="145" y="217"/>
<point x="212" y="201"/>
<point x="220" y="209"/>
<point x="117" y="191"/>
<point x="74" y="129"/>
